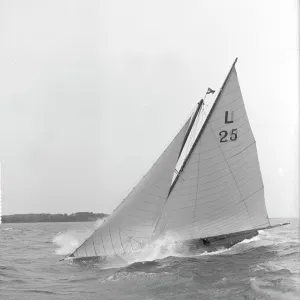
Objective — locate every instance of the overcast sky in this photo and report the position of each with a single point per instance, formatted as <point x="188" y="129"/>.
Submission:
<point x="91" y="93"/>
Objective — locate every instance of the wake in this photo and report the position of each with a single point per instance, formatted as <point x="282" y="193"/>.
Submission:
<point x="67" y="242"/>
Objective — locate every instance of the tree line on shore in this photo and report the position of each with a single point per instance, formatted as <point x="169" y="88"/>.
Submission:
<point x="34" y="218"/>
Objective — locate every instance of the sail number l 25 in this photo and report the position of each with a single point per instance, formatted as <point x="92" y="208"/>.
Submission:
<point x="223" y="134"/>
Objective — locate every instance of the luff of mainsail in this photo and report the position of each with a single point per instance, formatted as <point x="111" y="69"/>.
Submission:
<point x="131" y="224"/>
<point x="219" y="188"/>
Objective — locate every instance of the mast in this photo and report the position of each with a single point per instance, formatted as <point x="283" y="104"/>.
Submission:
<point x="202" y="129"/>
<point x="199" y="105"/>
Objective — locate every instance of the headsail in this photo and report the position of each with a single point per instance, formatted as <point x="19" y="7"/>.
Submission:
<point x="219" y="189"/>
<point x="131" y="225"/>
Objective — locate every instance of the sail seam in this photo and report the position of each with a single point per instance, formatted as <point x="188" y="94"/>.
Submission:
<point x="220" y="226"/>
<point x="230" y="102"/>
<point x="242" y="157"/>
<point x="199" y="162"/>
<point x="145" y="225"/>
<point x="228" y="150"/>
<point x="137" y="231"/>
<point x="222" y="184"/>
<point x="245" y="165"/>
<point x="193" y="163"/>
<point x="201" y="191"/>
<point x="225" y="220"/>
<point x="103" y="244"/>
<point x="209" y="196"/>
<point x="202" y="184"/>
<point x="238" y="146"/>
<point x="151" y="203"/>
<point x="242" y="150"/>
<point x="94" y="245"/>
<point x="226" y="183"/>
<point x="248" y="165"/>
<point x="180" y="201"/>
<point x="150" y="211"/>
<point x="220" y="201"/>
<point x="208" y="150"/>
<point x="249" y="178"/>
<point x="227" y="208"/>
<point x="154" y="196"/>
<point x="253" y="193"/>
<point x="133" y="238"/>
<point x="195" y="204"/>
<point x="138" y="217"/>
<point x="129" y="238"/>
<point x="111" y="240"/>
<point x="217" y="225"/>
<point x="85" y="247"/>
<point x="210" y="173"/>
<point x="121" y="241"/>
<point x="238" y="88"/>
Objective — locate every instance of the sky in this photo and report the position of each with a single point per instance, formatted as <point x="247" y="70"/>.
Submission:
<point x="92" y="92"/>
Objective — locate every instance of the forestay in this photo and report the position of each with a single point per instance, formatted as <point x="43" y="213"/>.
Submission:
<point x="220" y="188"/>
<point x="131" y="225"/>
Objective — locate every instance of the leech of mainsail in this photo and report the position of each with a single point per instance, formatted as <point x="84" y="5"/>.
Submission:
<point x="222" y="191"/>
<point x="130" y="226"/>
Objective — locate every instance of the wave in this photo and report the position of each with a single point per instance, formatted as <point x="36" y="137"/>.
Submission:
<point x="40" y="292"/>
<point x="168" y="246"/>
<point x="217" y="252"/>
<point x="130" y="275"/>
<point x="246" y="241"/>
<point x="270" y="292"/>
<point x="68" y="241"/>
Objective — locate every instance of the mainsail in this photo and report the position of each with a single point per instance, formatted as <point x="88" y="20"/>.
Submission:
<point x="131" y="225"/>
<point x="219" y="189"/>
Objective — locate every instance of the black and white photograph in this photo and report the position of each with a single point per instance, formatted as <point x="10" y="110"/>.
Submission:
<point x="149" y="150"/>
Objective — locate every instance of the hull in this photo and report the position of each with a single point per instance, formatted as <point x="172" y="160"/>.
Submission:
<point x="210" y="244"/>
<point x="187" y="247"/>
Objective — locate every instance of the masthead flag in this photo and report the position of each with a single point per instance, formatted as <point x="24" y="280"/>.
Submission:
<point x="209" y="91"/>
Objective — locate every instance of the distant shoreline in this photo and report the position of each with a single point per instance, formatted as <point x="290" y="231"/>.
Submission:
<point x="74" y="217"/>
<point x="38" y="218"/>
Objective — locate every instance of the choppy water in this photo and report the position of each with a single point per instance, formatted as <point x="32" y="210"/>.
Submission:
<point x="265" y="267"/>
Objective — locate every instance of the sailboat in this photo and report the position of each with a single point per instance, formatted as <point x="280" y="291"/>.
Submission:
<point x="207" y="194"/>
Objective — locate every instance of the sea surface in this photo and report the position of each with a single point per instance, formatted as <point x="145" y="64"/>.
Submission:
<point x="264" y="267"/>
